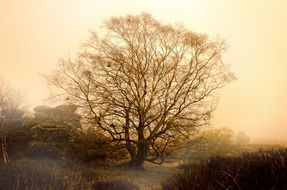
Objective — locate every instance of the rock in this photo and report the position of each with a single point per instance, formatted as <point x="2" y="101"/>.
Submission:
<point x="42" y="108"/>
<point x="71" y="108"/>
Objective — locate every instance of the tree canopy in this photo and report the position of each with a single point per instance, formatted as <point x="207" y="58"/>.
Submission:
<point x="146" y="85"/>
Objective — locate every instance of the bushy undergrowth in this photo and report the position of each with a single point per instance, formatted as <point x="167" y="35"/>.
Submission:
<point x="260" y="170"/>
<point x="50" y="175"/>
<point x="61" y="142"/>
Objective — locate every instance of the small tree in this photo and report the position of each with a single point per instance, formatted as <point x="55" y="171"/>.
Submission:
<point x="10" y="100"/>
<point x="147" y="85"/>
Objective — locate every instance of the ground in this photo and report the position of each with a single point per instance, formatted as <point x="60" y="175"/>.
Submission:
<point x="149" y="179"/>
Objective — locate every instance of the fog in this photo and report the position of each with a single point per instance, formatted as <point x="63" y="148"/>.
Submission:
<point x="35" y="34"/>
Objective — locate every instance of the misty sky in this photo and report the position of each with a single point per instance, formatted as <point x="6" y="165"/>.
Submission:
<point x="34" y="34"/>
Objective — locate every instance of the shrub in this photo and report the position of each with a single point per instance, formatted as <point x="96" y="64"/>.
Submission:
<point x="259" y="170"/>
<point x="43" y="151"/>
<point x="18" y="140"/>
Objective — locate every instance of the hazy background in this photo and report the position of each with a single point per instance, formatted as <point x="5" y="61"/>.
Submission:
<point x="34" y="34"/>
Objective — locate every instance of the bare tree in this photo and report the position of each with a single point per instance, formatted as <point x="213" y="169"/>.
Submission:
<point x="10" y="100"/>
<point x="147" y="85"/>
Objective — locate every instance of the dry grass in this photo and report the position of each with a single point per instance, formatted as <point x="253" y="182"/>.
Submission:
<point x="56" y="175"/>
<point x="149" y="179"/>
<point x="263" y="170"/>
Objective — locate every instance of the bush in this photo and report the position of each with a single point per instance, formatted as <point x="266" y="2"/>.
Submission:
<point x="18" y="139"/>
<point x="87" y="147"/>
<point x="43" y="151"/>
<point x="260" y="170"/>
<point x="91" y="146"/>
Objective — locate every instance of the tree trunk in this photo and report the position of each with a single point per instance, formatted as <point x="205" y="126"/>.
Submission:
<point x="129" y="146"/>
<point x="4" y="142"/>
<point x="4" y="150"/>
<point x="137" y="161"/>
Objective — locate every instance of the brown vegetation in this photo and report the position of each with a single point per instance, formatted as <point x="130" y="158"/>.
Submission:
<point x="51" y="175"/>
<point x="258" y="170"/>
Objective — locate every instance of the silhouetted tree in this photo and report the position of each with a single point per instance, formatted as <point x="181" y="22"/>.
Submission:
<point x="147" y="85"/>
<point x="211" y="143"/>
<point x="10" y="100"/>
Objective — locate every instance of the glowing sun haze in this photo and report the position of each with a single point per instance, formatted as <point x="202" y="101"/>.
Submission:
<point x="34" y="34"/>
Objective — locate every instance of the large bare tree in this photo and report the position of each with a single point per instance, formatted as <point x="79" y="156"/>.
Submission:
<point x="10" y="100"/>
<point x="147" y="85"/>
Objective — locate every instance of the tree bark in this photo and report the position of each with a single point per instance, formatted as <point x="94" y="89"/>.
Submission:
<point x="137" y="162"/>
<point x="4" y="142"/>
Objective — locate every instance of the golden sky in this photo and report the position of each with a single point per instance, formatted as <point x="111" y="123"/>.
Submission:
<point x="34" y="34"/>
